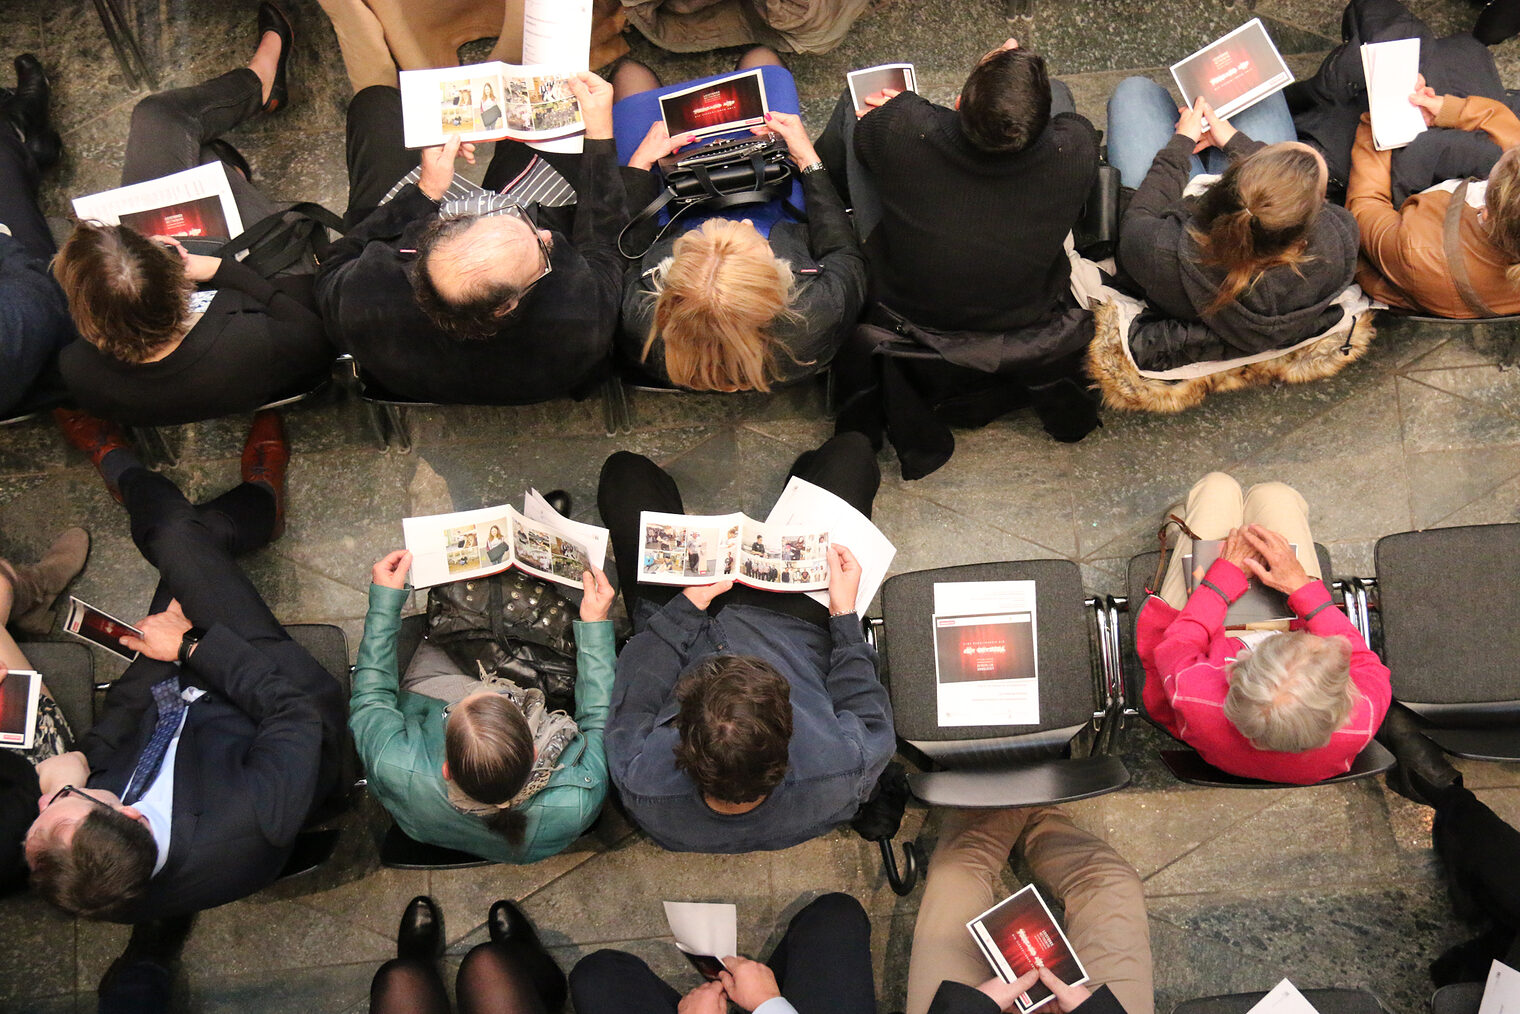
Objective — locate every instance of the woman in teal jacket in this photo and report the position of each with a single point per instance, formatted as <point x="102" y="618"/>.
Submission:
<point x="524" y="784"/>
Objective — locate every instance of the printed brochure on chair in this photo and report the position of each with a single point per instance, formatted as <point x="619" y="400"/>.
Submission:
<point x="470" y="544"/>
<point x="19" y="693"/>
<point x="986" y="663"/>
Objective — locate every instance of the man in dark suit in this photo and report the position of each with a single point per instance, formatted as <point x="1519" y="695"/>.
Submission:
<point x="215" y="744"/>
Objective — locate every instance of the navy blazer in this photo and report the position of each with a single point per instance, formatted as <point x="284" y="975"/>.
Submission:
<point x="256" y="753"/>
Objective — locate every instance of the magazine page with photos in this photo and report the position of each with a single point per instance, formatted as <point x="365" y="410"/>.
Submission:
<point x="196" y="203"/>
<point x="469" y="544"/>
<point x="551" y="551"/>
<point x="1016" y="931"/>
<point x="803" y="503"/>
<point x="19" y="691"/>
<point x="688" y="549"/>
<point x="488" y="101"/>
<point x="783" y="557"/>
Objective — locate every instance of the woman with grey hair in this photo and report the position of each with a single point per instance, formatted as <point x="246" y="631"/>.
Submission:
<point x="1294" y="705"/>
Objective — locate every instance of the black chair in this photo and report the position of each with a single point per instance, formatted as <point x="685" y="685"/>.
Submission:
<point x="47" y="394"/>
<point x="1065" y="757"/>
<point x="1185" y="763"/>
<point x="1458" y="998"/>
<point x="158" y="445"/>
<point x="1326" y="1001"/>
<point x="1481" y="327"/>
<point x="1450" y="632"/>
<point x="68" y="669"/>
<point x="384" y="410"/>
<point x="398" y="850"/>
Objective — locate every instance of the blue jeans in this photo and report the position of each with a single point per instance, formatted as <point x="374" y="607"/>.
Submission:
<point x="1142" y="118"/>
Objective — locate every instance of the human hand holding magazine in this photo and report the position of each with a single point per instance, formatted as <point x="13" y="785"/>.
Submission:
<point x="1017" y="933"/>
<point x="469" y="544"/>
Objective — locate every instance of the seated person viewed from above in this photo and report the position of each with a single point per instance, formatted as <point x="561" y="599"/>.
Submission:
<point x="1254" y="263"/>
<point x="743" y="719"/>
<point x="148" y="354"/>
<point x="737" y="300"/>
<point x="34" y="316"/>
<point x="441" y="303"/>
<point x="1295" y="706"/>
<point x="1101" y="895"/>
<point x="213" y="747"/>
<point x="964" y="213"/>
<point x="482" y="766"/>
<point x="1404" y="200"/>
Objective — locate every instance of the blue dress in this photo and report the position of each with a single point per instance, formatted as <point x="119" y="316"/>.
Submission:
<point x="631" y="118"/>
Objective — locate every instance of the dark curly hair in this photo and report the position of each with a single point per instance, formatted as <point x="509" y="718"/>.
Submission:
<point x="735" y="725"/>
<point x="1005" y="102"/>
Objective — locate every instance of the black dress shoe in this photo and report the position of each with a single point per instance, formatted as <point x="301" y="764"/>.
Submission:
<point x="1498" y="22"/>
<point x="26" y="109"/>
<point x="560" y="501"/>
<point x="231" y="157"/>
<point x="1423" y="773"/>
<point x="420" y="936"/>
<point x="274" y="19"/>
<point x="508" y="924"/>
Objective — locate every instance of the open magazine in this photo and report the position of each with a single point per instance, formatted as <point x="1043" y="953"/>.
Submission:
<point x="898" y="77"/>
<point x="487" y="101"/>
<point x="1259" y="604"/>
<point x="99" y="628"/>
<point x="196" y="203"/>
<point x="789" y="551"/>
<point x="730" y="103"/>
<point x="469" y="544"/>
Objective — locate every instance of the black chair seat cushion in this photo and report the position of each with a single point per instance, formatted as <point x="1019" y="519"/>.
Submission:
<point x="1062" y="648"/>
<point x="69" y="672"/>
<point x="1451" y="616"/>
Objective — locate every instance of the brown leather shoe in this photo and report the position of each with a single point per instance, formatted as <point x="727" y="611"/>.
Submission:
<point x="95" y="437"/>
<point x="265" y="456"/>
<point x="35" y="588"/>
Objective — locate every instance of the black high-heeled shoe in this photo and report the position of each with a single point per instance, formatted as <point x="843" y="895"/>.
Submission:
<point x="420" y="935"/>
<point x="1498" y="22"/>
<point x="273" y="18"/>
<point x="26" y="108"/>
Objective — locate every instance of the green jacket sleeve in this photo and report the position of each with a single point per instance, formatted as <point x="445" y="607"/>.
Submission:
<point x="373" y="715"/>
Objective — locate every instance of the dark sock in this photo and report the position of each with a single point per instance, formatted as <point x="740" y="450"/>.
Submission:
<point x="116" y="463"/>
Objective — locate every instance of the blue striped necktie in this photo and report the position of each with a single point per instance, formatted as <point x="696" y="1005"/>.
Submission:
<point x="171" y="708"/>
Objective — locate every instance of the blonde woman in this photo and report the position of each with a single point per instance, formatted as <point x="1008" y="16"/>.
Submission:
<point x="739" y="301"/>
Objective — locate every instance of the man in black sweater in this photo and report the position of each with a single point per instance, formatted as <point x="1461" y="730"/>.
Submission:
<point x="465" y="308"/>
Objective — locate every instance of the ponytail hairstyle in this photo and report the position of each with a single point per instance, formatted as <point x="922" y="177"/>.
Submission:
<point x="1502" y="202"/>
<point x="1257" y="216"/>
<point x="489" y="750"/>
<point x="715" y="301"/>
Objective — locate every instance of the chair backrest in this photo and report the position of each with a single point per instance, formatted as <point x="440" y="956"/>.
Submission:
<point x="1326" y="1001"/>
<point x="1451" y="621"/>
<point x="1063" y="649"/>
<point x="1457" y="998"/>
<point x="1142" y="570"/>
<point x="68" y="669"/>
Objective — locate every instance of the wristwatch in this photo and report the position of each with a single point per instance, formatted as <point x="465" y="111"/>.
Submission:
<point x="188" y="642"/>
<point x="813" y="167"/>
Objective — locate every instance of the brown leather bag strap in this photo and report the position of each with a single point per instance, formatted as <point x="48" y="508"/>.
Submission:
<point x="1154" y="588"/>
<point x="1456" y="260"/>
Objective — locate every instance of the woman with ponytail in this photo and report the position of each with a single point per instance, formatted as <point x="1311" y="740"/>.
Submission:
<point x="1253" y="263"/>
<point x="482" y="766"/>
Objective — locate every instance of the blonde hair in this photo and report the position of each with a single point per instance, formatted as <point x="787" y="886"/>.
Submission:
<point x="716" y="299"/>
<point x="1257" y="216"/>
<point x="1292" y="693"/>
<point x="1502" y="202"/>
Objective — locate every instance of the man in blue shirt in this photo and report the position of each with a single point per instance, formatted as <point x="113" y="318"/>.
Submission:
<point x="743" y="719"/>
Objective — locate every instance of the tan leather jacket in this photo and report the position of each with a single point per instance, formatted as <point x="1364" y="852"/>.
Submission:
<point x="1403" y="263"/>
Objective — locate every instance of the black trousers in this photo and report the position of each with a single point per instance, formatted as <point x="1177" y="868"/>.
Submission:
<point x="378" y="156"/>
<point x="1481" y="855"/>
<point x="194" y="549"/>
<point x="631" y="483"/>
<point x="18" y="197"/>
<point x="822" y="964"/>
<point x="170" y="131"/>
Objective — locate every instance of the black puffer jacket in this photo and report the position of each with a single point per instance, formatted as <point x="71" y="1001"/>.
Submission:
<point x="1285" y="306"/>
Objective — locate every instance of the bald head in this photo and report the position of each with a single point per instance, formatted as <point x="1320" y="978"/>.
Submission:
<point x="471" y="272"/>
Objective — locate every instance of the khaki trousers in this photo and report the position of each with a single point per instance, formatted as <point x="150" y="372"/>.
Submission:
<point x="1215" y="505"/>
<point x="1105" y="903"/>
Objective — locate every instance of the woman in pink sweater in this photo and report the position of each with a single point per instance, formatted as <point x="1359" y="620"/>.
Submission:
<point x="1295" y="706"/>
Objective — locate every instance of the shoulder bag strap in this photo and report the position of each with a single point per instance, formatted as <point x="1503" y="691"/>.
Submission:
<point x="1456" y="260"/>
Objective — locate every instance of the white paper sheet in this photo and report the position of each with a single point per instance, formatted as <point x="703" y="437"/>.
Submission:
<point x="1390" y="69"/>
<point x="804" y="503"/>
<point x="1283" y="998"/>
<point x="986" y="653"/>
<point x="1501" y="994"/>
<point x="704" y="928"/>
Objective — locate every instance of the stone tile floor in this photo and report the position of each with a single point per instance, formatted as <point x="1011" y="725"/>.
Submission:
<point x="1332" y="885"/>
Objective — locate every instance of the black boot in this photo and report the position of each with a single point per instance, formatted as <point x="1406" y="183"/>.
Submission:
<point x="27" y="111"/>
<point x="1423" y="773"/>
<point x="1498" y="22"/>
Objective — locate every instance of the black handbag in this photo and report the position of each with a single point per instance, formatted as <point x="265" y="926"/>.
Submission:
<point x="717" y="176"/>
<point x="279" y="241"/>
<point x="510" y="625"/>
